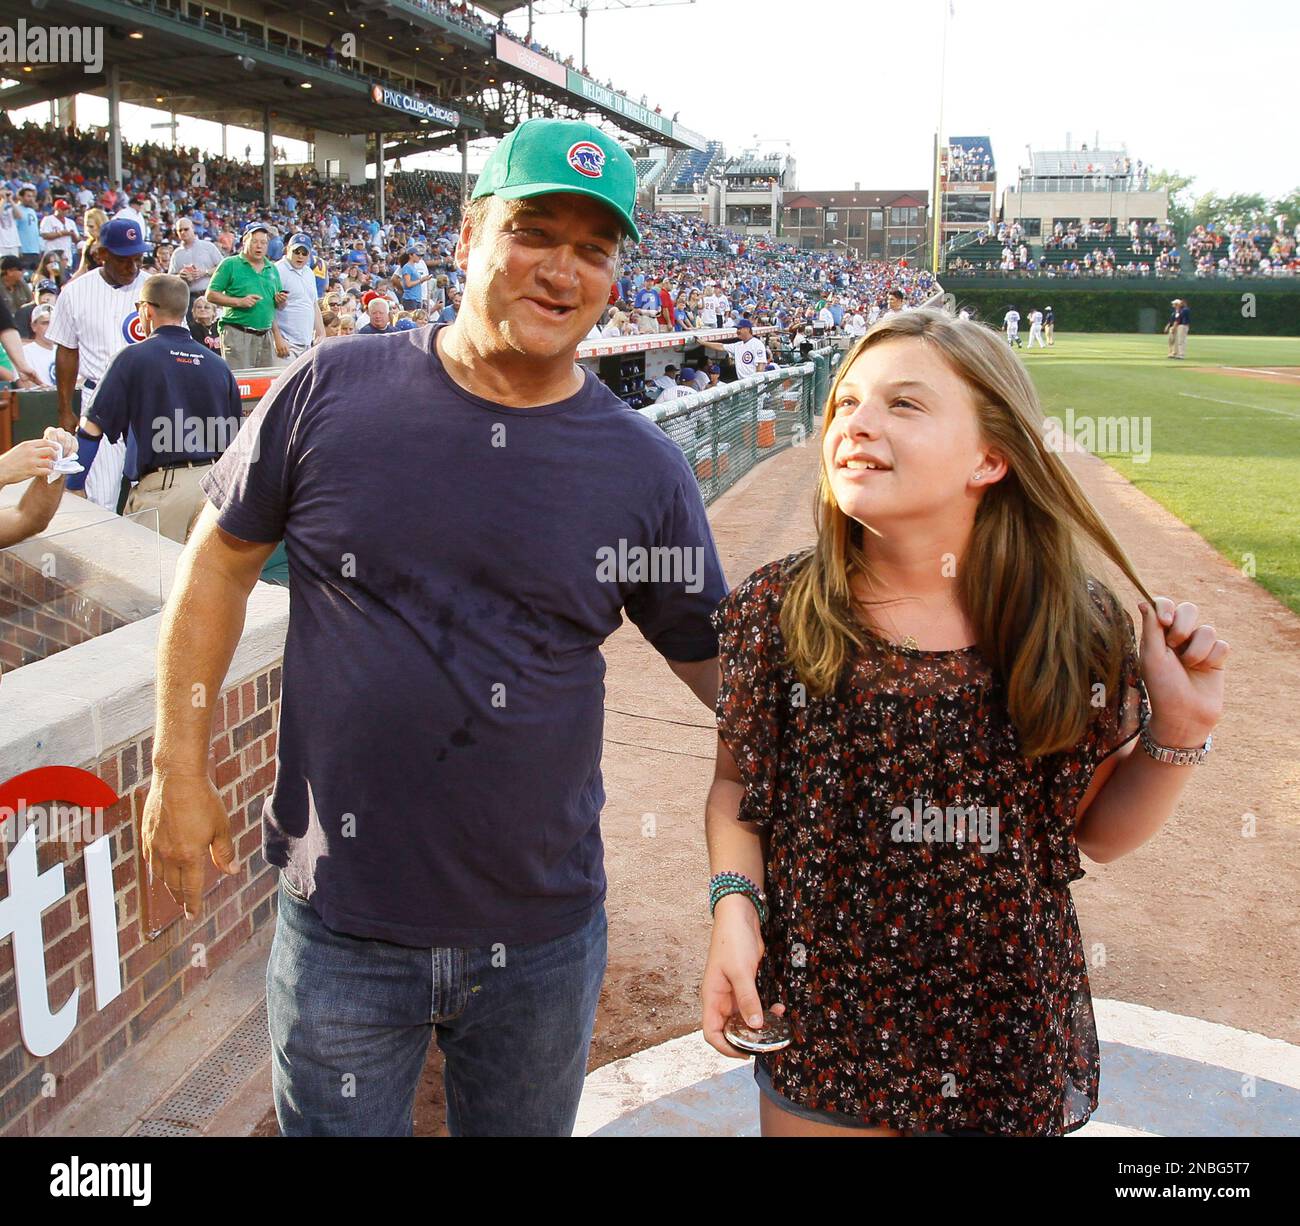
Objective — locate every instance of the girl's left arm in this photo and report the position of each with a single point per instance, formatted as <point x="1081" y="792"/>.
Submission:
<point x="1131" y="794"/>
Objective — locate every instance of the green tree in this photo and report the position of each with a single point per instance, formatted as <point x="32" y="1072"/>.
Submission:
<point x="1180" y="197"/>
<point x="1289" y="206"/>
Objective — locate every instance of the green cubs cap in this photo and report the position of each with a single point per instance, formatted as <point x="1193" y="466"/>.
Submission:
<point x="544" y="156"/>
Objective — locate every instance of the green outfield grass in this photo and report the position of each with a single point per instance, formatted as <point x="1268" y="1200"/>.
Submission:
<point x="1224" y="450"/>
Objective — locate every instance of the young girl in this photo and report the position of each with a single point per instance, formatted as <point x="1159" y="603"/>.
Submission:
<point x="923" y="720"/>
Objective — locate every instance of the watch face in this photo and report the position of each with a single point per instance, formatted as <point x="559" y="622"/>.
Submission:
<point x="773" y="1035"/>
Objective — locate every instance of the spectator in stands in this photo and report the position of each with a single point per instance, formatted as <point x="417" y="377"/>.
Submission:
<point x="33" y="461"/>
<point x="299" y="317"/>
<point x="14" y="289"/>
<point x="50" y="267"/>
<point x="247" y="287"/>
<point x="59" y="232"/>
<point x="203" y="323"/>
<point x="195" y="260"/>
<point x="87" y="249"/>
<point x="9" y="245"/>
<point x="47" y="294"/>
<point x="377" y="312"/>
<point x="28" y="223"/>
<point x="415" y="276"/>
<point x="38" y="351"/>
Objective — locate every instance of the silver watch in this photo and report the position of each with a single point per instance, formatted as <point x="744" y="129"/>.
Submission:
<point x="1176" y="757"/>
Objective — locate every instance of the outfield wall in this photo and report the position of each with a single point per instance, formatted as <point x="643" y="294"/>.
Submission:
<point x="1257" y="307"/>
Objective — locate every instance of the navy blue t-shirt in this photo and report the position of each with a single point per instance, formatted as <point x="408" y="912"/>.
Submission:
<point x="455" y="566"/>
<point x="172" y="397"/>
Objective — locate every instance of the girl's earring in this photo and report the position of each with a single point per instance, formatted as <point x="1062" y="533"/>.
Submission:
<point x="979" y="474"/>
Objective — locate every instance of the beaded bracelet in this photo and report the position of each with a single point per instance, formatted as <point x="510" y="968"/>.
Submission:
<point x="722" y="884"/>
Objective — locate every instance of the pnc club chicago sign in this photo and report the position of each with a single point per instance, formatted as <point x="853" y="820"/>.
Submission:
<point x="419" y="107"/>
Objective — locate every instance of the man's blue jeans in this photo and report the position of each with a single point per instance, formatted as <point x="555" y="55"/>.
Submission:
<point x="351" y="1019"/>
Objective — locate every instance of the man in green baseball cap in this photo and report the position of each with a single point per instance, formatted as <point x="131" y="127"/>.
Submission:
<point x="540" y="245"/>
<point x="502" y="506"/>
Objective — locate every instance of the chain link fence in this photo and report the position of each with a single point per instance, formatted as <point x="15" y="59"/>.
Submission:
<point x="727" y="430"/>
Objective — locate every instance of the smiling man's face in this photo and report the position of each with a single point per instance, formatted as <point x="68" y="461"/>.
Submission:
<point x="538" y="271"/>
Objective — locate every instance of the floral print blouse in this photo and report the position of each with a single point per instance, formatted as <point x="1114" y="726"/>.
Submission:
<point x="921" y="931"/>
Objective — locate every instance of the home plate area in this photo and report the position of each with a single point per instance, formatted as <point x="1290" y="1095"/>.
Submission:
<point x="1162" y="1075"/>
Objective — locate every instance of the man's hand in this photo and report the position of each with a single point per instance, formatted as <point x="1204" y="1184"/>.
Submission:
<point x="61" y="438"/>
<point x="249" y="301"/>
<point x="282" y="349"/>
<point x="281" y="297"/>
<point x="34" y="458"/>
<point x="183" y="823"/>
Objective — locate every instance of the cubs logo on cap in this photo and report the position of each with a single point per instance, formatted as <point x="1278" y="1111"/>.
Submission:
<point x="548" y="156"/>
<point x="587" y="159"/>
<point x="122" y="236"/>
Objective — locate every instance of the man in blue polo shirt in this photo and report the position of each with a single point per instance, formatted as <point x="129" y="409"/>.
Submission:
<point x="174" y="400"/>
<point x="456" y="562"/>
<point x="29" y="228"/>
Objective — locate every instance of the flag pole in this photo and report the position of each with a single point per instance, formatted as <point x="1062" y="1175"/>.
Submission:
<point x="936" y="201"/>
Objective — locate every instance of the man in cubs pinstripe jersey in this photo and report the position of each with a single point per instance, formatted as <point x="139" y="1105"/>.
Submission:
<point x="94" y="318"/>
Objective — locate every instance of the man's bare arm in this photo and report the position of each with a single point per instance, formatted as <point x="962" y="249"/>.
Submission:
<point x="702" y="676"/>
<point x="66" y="364"/>
<point x="33" y="513"/>
<point x="201" y="626"/>
<point x="185" y="820"/>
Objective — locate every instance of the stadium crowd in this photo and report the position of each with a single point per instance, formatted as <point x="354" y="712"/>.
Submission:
<point x="688" y="275"/>
<point x="55" y="196"/>
<point x="1138" y="250"/>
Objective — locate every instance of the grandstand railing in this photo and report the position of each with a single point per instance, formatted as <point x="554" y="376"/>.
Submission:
<point x="1084" y="183"/>
<point x="728" y="430"/>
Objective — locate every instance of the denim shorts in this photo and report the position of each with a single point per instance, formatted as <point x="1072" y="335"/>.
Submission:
<point x="833" y="1117"/>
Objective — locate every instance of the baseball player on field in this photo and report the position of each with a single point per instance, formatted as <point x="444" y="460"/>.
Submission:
<point x="1036" y="329"/>
<point x="1012" y="321"/>
<point x="95" y="317"/>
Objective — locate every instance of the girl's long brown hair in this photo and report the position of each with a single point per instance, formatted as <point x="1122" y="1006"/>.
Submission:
<point x="1023" y="580"/>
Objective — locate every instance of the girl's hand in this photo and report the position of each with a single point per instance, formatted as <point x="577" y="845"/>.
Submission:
<point x="1182" y="667"/>
<point x="728" y="987"/>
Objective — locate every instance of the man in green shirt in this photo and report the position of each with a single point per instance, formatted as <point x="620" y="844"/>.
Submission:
<point x="248" y="287"/>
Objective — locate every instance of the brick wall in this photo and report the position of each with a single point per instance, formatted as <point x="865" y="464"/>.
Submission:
<point x="40" y="616"/>
<point x="158" y="970"/>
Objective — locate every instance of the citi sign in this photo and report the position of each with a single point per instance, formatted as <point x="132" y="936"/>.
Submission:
<point x="32" y="892"/>
<point x="418" y="107"/>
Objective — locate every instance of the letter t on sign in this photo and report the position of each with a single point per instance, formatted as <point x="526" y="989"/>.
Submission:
<point x="30" y="893"/>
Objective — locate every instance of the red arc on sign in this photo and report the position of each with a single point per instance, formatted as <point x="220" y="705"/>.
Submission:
<point x="69" y="783"/>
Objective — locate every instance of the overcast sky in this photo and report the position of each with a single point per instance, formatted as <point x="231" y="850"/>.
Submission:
<point x="1191" y="85"/>
<point x="853" y="85"/>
